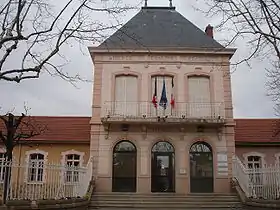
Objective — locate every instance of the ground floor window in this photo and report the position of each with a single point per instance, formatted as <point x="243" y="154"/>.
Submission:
<point x="72" y="164"/>
<point x="254" y="163"/>
<point x="36" y="167"/>
<point x="2" y="166"/>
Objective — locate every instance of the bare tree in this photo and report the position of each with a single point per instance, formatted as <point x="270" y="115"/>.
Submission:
<point x="258" y="23"/>
<point x="32" y="33"/>
<point x="16" y="130"/>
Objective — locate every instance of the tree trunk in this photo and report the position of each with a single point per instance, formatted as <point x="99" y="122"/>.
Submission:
<point x="7" y="177"/>
<point x="9" y="156"/>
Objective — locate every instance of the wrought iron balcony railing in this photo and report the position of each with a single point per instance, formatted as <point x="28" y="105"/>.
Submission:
<point x="145" y="110"/>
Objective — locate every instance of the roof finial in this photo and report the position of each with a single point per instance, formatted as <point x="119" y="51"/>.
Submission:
<point x="170" y="3"/>
<point x="146" y="3"/>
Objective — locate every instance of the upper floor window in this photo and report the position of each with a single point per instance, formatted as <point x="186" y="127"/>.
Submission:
<point x="163" y="97"/>
<point x="199" y="96"/>
<point x="36" y="167"/>
<point x="73" y="163"/>
<point x="199" y="89"/>
<point x="126" y="95"/>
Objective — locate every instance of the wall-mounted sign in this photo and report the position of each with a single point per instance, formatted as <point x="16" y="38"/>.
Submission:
<point x="222" y="164"/>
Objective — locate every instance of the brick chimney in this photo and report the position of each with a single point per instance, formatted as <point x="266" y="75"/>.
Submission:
<point x="209" y="31"/>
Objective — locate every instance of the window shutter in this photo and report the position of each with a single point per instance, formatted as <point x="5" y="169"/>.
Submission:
<point x="119" y="95"/>
<point x="199" y="97"/>
<point x="120" y="89"/>
<point x="131" y="95"/>
<point x="126" y="95"/>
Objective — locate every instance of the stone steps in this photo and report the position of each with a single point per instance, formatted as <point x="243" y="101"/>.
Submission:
<point x="164" y="201"/>
<point x="196" y="208"/>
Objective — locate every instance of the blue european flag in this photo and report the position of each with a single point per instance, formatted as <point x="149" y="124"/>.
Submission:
<point x="163" y="99"/>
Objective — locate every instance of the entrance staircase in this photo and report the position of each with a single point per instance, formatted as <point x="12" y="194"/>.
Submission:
<point x="164" y="201"/>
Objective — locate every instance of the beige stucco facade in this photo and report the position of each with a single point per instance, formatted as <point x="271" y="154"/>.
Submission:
<point x="54" y="155"/>
<point x="180" y="65"/>
<point x="54" y="152"/>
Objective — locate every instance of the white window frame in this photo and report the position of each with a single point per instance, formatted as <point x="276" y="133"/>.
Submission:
<point x="262" y="165"/>
<point x="2" y="151"/>
<point x="27" y="160"/>
<point x="261" y="155"/>
<point x="63" y="162"/>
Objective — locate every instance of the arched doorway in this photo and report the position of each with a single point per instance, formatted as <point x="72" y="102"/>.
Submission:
<point x="201" y="168"/>
<point x="124" y="167"/>
<point x="162" y="167"/>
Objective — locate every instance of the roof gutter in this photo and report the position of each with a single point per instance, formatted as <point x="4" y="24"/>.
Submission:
<point x="256" y="144"/>
<point x="163" y="50"/>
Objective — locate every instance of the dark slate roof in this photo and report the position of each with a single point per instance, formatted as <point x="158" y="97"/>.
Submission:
<point x="159" y="27"/>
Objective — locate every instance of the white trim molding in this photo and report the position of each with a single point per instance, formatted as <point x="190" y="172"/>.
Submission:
<point x="277" y="158"/>
<point x="27" y="154"/>
<point x="63" y="160"/>
<point x="72" y="152"/>
<point x="259" y="154"/>
<point x="2" y="164"/>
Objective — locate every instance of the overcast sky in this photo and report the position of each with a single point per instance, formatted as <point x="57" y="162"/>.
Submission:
<point x="53" y="96"/>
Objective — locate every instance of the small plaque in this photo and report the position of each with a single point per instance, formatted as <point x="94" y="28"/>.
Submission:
<point x="221" y="157"/>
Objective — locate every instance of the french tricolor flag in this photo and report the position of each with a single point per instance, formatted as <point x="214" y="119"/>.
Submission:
<point x="172" y="101"/>
<point x="154" y="99"/>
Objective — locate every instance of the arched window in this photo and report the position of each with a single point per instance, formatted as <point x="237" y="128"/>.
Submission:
<point x="163" y="146"/>
<point x="200" y="148"/>
<point x="124" y="167"/>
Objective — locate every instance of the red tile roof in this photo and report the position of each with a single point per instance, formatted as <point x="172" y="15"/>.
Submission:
<point x="60" y="129"/>
<point x="77" y="129"/>
<point x="257" y="130"/>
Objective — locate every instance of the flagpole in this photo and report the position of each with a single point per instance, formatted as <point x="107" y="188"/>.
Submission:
<point x="165" y="104"/>
<point x="156" y="111"/>
<point x="163" y="99"/>
<point x="156" y="96"/>
<point x="171" y="95"/>
<point x="172" y="103"/>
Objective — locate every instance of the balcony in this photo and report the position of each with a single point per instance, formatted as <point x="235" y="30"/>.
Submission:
<point x="145" y="112"/>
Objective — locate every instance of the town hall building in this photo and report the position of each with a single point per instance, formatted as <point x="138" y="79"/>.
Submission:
<point x="162" y="120"/>
<point x="162" y="115"/>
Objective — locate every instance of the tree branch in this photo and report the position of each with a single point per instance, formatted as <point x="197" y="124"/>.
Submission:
<point x="38" y="33"/>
